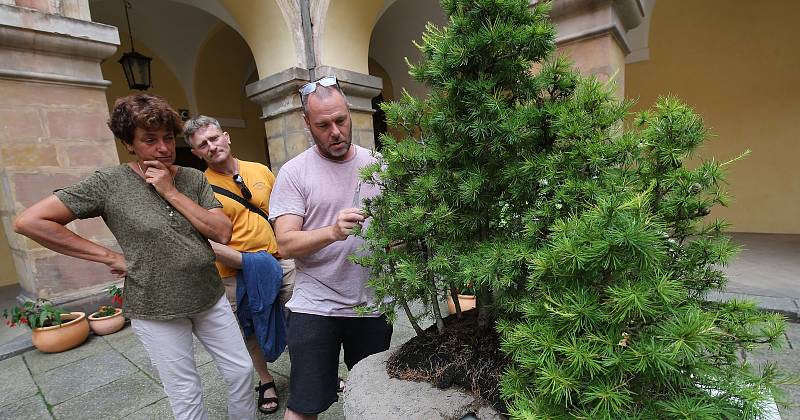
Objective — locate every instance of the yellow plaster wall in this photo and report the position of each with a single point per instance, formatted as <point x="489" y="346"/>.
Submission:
<point x="266" y="32"/>
<point x="220" y="77"/>
<point x="737" y="65"/>
<point x="348" y="27"/>
<point x="165" y="83"/>
<point x="219" y="73"/>
<point x="8" y="274"/>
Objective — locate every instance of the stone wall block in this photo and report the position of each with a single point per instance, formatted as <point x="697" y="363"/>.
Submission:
<point x="32" y="187"/>
<point x="86" y="155"/>
<point x="6" y="220"/>
<point x="599" y="56"/>
<point x="274" y="127"/>
<point x="25" y="274"/>
<point x="77" y="125"/>
<point x="93" y="228"/>
<point x="28" y="60"/>
<point x="361" y="120"/>
<point x="277" y="151"/>
<point x="78" y="9"/>
<point x="295" y="122"/>
<point x="366" y="138"/>
<point x="23" y="243"/>
<point x="44" y="6"/>
<point x="26" y="244"/>
<point x="296" y="143"/>
<point x="28" y="94"/>
<point x="20" y="124"/>
<point x="28" y="155"/>
<point x="59" y="274"/>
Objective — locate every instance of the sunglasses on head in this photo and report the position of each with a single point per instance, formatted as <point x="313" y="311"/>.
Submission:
<point x="240" y="182"/>
<point x="310" y="87"/>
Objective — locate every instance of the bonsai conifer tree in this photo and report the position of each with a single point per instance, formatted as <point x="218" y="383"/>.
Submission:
<point x="587" y="240"/>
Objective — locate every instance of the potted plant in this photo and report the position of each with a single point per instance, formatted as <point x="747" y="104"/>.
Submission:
<point x="108" y="319"/>
<point x="53" y="329"/>
<point x="464" y="300"/>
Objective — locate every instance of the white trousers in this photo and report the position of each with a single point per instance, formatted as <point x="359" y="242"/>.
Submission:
<point x="169" y="345"/>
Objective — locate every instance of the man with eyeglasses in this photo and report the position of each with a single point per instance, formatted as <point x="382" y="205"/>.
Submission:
<point x="315" y="205"/>
<point x="244" y="190"/>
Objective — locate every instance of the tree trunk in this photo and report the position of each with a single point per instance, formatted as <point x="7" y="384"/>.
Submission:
<point x="436" y="311"/>
<point x="482" y="296"/>
<point x="411" y="318"/>
<point x="456" y="303"/>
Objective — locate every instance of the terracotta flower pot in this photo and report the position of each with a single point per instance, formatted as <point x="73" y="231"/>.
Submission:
<point x="466" y="302"/>
<point x="71" y="333"/>
<point x="102" y="325"/>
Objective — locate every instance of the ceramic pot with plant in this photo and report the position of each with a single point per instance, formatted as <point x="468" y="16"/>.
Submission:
<point x="53" y="329"/>
<point x="108" y="319"/>
<point x="466" y="299"/>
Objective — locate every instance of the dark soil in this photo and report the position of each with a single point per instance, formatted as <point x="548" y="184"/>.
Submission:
<point x="464" y="355"/>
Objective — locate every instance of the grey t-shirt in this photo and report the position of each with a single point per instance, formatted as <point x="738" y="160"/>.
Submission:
<point x="171" y="271"/>
<point x="317" y="188"/>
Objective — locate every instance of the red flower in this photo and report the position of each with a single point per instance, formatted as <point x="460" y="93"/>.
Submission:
<point x="117" y="300"/>
<point x="23" y="320"/>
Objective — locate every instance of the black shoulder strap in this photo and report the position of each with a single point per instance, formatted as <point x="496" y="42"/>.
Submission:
<point x="219" y="190"/>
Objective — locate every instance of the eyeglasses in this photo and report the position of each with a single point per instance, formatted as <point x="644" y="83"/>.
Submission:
<point x="310" y="87"/>
<point x="240" y="182"/>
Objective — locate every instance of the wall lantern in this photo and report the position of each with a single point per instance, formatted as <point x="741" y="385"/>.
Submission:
<point x="135" y="65"/>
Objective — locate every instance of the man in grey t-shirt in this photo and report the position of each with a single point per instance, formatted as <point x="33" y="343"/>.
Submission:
<point x="315" y="211"/>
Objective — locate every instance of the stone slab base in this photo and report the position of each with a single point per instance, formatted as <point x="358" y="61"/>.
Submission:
<point x="371" y="394"/>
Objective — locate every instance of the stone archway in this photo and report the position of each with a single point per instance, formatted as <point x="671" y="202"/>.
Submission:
<point x="400" y="24"/>
<point x="224" y="67"/>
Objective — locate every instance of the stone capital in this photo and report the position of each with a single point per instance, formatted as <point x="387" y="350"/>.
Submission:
<point x="360" y="88"/>
<point x="582" y="19"/>
<point x="51" y="48"/>
<point x="278" y="93"/>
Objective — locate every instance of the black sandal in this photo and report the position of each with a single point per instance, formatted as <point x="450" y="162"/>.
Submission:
<point x="266" y="400"/>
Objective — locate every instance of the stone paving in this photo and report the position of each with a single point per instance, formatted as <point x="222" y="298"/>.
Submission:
<point x="111" y="377"/>
<point x="787" y="360"/>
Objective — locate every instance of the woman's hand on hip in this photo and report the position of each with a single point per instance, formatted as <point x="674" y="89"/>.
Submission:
<point x="117" y="265"/>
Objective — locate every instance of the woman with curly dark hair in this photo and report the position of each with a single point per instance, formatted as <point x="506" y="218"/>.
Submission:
<point x="162" y="216"/>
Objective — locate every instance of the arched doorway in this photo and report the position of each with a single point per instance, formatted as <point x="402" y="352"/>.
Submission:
<point x="200" y="65"/>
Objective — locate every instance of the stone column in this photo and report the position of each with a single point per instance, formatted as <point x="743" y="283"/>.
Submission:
<point x="593" y="33"/>
<point x="52" y="134"/>
<point x="282" y="111"/>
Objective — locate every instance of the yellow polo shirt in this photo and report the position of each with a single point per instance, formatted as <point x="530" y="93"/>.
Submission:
<point x="251" y="232"/>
